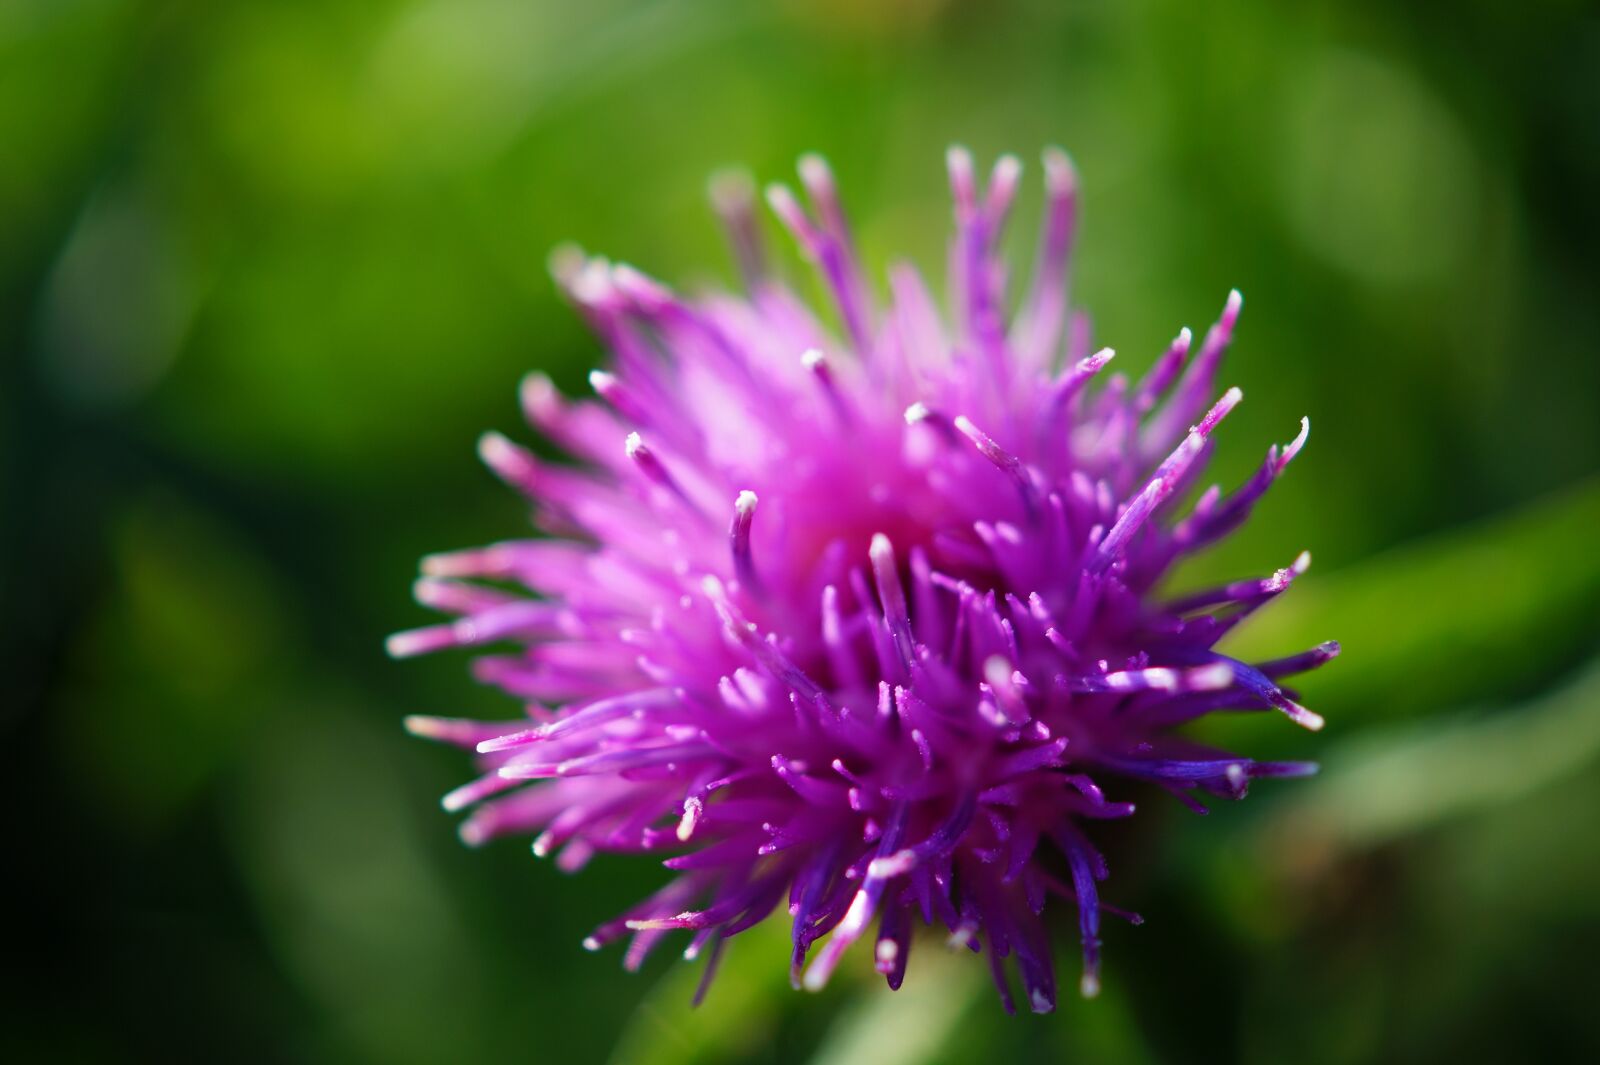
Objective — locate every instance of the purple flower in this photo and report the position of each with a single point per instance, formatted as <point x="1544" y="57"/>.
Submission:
<point x="862" y="619"/>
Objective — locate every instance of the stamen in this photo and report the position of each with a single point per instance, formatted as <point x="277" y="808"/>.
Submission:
<point x="782" y="201"/>
<point x="828" y="246"/>
<point x="817" y="178"/>
<point x="1214" y="517"/>
<point x="462" y="732"/>
<point x="1260" y="684"/>
<point x="1162" y="373"/>
<point x="862" y="907"/>
<point x="648" y="295"/>
<point x="692" y="809"/>
<point x="733" y="197"/>
<point x="1214" y="677"/>
<point x="1244" y="591"/>
<point x="895" y="613"/>
<point x="963" y="179"/>
<point x="650" y="465"/>
<point x="744" y="510"/>
<point x="541" y="403"/>
<point x="522" y="618"/>
<point x="1161" y="485"/>
<point x="774" y="661"/>
<point x="817" y="363"/>
<point x="457" y="597"/>
<point x="1008" y="687"/>
<point x="1292" y="448"/>
<point x="1040" y="323"/>
<point x="841" y="652"/>
<point x="919" y="413"/>
<point x="514" y="465"/>
<point x="1002" y="191"/>
<point x="1197" y="381"/>
<point x="1005" y="460"/>
<point x="1072" y="381"/>
<point x="586" y="281"/>
<point x="1302" y="662"/>
<point x="611" y="389"/>
<point x="974" y="273"/>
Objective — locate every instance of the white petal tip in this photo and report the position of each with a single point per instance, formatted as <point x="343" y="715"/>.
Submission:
<point x="1307" y="719"/>
<point x="536" y="387"/>
<point x="403" y="645"/>
<point x="565" y="261"/>
<point x="1059" y="172"/>
<point x="731" y="191"/>
<point x="428" y="728"/>
<point x="814" y="169"/>
<point x="780" y="198"/>
<point x="493" y="447"/>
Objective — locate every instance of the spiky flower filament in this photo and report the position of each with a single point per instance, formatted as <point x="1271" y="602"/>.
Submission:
<point x="860" y="624"/>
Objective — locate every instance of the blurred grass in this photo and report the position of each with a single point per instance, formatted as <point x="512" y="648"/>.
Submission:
<point x="1399" y="780"/>
<point x="268" y="269"/>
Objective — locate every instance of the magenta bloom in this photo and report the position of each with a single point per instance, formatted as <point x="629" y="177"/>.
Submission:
<point x="863" y="621"/>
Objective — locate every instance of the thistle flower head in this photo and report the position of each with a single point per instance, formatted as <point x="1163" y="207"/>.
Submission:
<point x="858" y="614"/>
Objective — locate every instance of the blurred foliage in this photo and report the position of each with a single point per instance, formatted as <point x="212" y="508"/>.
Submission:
<point x="268" y="269"/>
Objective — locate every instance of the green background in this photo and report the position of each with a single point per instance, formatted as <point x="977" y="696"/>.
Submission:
<point x="266" y="271"/>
